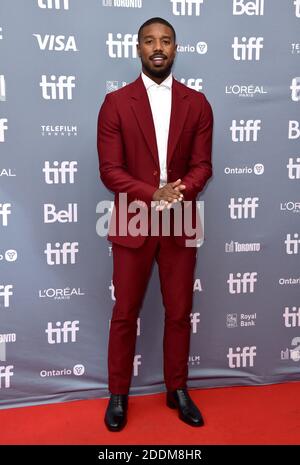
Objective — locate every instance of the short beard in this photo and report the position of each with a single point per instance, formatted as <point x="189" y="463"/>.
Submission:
<point x="158" y="73"/>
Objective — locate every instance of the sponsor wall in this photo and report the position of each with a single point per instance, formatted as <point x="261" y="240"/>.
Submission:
<point x="58" y="59"/>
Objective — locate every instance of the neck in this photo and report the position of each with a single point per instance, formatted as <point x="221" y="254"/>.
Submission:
<point x="156" y="79"/>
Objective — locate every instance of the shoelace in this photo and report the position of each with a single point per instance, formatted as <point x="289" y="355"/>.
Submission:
<point x="118" y="400"/>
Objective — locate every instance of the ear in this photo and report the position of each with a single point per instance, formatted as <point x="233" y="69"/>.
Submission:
<point x="138" y="50"/>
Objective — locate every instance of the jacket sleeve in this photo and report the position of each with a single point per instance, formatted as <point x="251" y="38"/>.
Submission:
<point x="200" y="166"/>
<point x="112" y="162"/>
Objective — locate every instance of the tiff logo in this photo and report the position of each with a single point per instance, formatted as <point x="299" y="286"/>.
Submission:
<point x="195" y="84"/>
<point x="295" y="88"/>
<point x="241" y="357"/>
<point x="1" y="36"/>
<point x="4" y="212"/>
<point x="58" y="87"/>
<point x="294" y="129"/>
<point x="297" y="8"/>
<point x="195" y="319"/>
<point x="61" y="256"/>
<point x="60" y="173"/>
<point x="186" y="7"/>
<point x="292" y="245"/>
<point x="2" y="88"/>
<point x="62" y="333"/>
<point x="57" y="4"/>
<point x="136" y="363"/>
<point x="255" y="7"/>
<point x="57" y="43"/>
<point x="246" y="131"/>
<point x="3" y="128"/>
<point x="6" y="372"/>
<point x="244" y="51"/>
<point x="243" y="283"/>
<point x="6" y="292"/>
<point x="293" y="168"/>
<point x="291" y="317"/>
<point x="243" y="208"/>
<point x="61" y="216"/>
<point x="118" y="48"/>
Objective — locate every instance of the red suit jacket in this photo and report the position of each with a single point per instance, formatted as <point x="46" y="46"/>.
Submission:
<point x="128" y="155"/>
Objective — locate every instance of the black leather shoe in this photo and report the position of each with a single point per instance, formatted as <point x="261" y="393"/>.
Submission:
<point x="188" y="411"/>
<point x="116" y="413"/>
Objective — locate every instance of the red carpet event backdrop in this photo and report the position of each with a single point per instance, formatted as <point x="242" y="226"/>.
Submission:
<point x="58" y="60"/>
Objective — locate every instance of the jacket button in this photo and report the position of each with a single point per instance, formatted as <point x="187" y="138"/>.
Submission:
<point x="154" y="173"/>
<point x="169" y="171"/>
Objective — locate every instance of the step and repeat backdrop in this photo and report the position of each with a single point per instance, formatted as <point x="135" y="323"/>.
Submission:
<point x="58" y="60"/>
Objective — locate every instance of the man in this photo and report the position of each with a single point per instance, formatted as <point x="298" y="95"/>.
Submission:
<point x="154" y="145"/>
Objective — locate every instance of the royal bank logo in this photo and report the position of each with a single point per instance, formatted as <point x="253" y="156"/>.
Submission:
<point x="235" y="246"/>
<point x="54" y="4"/>
<point x="247" y="49"/>
<point x="245" y="130"/>
<point x="192" y="83"/>
<point x="243" y="208"/>
<point x="295" y="89"/>
<point x="56" y="43"/>
<point x="60" y="172"/>
<point x="292" y="353"/>
<point x="59" y="130"/>
<point x="240" y="90"/>
<point x="3" y="128"/>
<point x="242" y="283"/>
<point x="250" y="8"/>
<point x="8" y="172"/>
<point x="10" y="255"/>
<point x="245" y="320"/>
<point x="257" y="169"/>
<point x="2" y="88"/>
<point x="201" y="48"/>
<point x="66" y="293"/>
<point x="57" y="87"/>
<point x="123" y="46"/>
<point x="293" y="167"/>
<point x="294" y="130"/>
<point x="241" y="357"/>
<point x="292" y="244"/>
<point x="291" y="317"/>
<point x="186" y="7"/>
<point x="290" y="206"/>
<point x="111" y="86"/>
<point x="123" y="3"/>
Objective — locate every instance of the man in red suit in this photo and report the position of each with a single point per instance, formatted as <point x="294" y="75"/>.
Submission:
<point x="154" y="145"/>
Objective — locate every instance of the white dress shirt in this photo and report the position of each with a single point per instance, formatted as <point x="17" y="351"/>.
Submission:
<point x="160" y="98"/>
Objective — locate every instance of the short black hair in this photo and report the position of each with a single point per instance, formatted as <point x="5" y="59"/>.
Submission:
<point x="156" y="20"/>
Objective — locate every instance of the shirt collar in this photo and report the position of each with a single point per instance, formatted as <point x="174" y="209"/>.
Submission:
<point x="149" y="82"/>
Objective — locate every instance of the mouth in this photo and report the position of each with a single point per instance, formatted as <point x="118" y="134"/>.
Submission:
<point x="158" y="59"/>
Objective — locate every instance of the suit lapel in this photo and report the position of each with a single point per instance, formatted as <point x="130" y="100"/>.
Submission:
<point x="142" y="110"/>
<point x="179" y="111"/>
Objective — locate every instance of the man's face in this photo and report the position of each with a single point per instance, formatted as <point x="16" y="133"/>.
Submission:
<point x="157" y="50"/>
